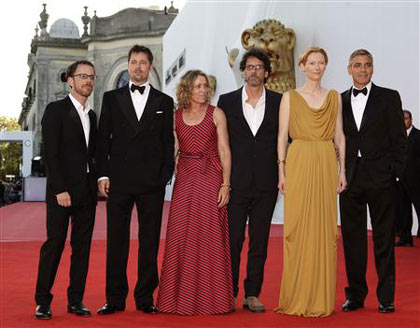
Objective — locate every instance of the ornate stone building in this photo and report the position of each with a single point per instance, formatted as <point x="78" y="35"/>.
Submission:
<point x="106" y="43"/>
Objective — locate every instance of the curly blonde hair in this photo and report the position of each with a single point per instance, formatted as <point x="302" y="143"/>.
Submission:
<point x="185" y="85"/>
<point x="304" y="57"/>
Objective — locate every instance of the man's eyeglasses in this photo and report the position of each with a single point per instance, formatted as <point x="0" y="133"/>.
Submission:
<point x="85" y="77"/>
<point x="254" y="67"/>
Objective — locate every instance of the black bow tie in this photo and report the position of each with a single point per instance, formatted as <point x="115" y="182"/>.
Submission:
<point x="356" y="91"/>
<point x="136" y="87"/>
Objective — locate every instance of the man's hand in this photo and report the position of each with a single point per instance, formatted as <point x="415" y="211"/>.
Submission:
<point x="63" y="199"/>
<point x="103" y="187"/>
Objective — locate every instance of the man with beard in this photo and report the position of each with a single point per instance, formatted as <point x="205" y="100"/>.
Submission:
<point x="252" y="115"/>
<point x="135" y="161"/>
<point x="69" y="132"/>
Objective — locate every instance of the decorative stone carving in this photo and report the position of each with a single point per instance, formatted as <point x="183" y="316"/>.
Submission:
<point x="278" y="42"/>
<point x="36" y="37"/>
<point x="213" y="84"/>
<point x="133" y="21"/>
<point x="86" y="21"/>
<point x="232" y="55"/>
<point x="172" y="9"/>
<point x="93" y="23"/>
<point x="43" y="23"/>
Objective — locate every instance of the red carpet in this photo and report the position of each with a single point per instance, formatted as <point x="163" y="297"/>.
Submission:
<point x="22" y="227"/>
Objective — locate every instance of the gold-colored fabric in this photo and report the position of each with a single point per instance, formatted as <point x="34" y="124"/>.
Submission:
<point x="310" y="210"/>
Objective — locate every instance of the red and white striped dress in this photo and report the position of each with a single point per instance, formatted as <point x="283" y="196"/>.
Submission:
<point x="196" y="275"/>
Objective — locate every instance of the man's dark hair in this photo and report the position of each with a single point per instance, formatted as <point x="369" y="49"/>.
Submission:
<point x="72" y="68"/>
<point x="261" y="55"/>
<point x="405" y="111"/>
<point x="136" y="49"/>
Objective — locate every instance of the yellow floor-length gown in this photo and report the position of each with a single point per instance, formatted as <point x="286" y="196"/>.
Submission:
<point x="310" y="210"/>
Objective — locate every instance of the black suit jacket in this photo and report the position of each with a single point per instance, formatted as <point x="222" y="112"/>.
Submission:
<point x="254" y="158"/>
<point x="411" y="175"/>
<point x="137" y="156"/>
<point x="382" y="139"/>
<point x="66" y="155"/>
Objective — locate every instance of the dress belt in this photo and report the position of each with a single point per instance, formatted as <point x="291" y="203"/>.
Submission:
<point x="205" y="158"/>
<point x="318" y="140"/>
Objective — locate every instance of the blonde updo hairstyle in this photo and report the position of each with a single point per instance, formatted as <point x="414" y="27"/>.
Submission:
<point x="185" y="86"/>
<point x="304" y="56"/>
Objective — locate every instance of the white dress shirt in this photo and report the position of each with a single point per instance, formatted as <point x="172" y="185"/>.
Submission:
<point x="409" y="130"/>
<point x="358" y="105"/>
<point x="83" y="112"/>
<point x="253" y="115"/>
<point x="139" y="100"/>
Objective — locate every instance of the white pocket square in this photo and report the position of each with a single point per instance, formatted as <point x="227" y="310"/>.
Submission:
<point x="159" y="112"/>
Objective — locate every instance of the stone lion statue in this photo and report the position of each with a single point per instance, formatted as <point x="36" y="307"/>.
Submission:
<point x="278" y="42"/>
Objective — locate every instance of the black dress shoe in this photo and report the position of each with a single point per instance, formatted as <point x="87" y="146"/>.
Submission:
<point x="404" y="243"/>
<point x="149" y="309"/>
<point x="78" y="309"/>
<point x="110" y="309"/>
<point x="350" y="305"/>
<point x="386" y="308"/>
<point x="43" y="312"/>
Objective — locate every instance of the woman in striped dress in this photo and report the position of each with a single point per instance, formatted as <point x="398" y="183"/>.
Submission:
<point x="196" y="273"/>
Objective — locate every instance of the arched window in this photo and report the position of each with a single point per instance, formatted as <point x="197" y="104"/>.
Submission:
<point x="123" y="79"/>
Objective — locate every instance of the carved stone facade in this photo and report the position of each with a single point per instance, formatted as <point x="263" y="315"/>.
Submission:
<point x="106" y="45"/>
<point x="272" y="37"/>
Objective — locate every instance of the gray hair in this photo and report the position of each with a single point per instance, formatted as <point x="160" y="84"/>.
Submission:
<point x="360" y="52"/>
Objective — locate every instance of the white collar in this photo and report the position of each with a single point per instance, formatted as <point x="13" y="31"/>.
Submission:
<point x="409" y="130"/>
<point x="245" y="95"/>
<point x="85" y="109"/>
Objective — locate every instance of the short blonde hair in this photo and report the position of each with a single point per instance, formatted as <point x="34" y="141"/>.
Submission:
<point x="304" y="57"/>
<point x="185" y="85"/>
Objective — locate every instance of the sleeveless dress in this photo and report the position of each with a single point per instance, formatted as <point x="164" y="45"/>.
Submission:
<point x="310" y="210"/>
<point x="196" y="275"/>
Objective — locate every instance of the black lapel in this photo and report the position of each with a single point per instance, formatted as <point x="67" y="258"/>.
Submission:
<point x="267" y="111"/>
<point x="239" y="112"/>
<point x="127" y="107"/>
<point x="348" y="110"/>
<point x="369" y="105"/>
<point x="153" y="101"/>
<point x="74" y="116"/>
<point x="412" y="136"/>
<point x="92" y="131"/>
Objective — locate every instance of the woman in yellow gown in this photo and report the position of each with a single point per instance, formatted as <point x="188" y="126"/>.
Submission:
<point x="310" y="179"/>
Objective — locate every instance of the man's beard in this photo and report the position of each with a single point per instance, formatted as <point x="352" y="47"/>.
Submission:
<point x="84" y="91"/>
<point x="254" y="81"/>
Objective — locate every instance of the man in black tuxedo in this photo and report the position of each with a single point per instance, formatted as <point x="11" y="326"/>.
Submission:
<point x="135" y="161"/>
<point x="69" y="133"/>
<point x="409" y="185"/>
<point x="375" y="150"/>
<point x="252" y="114"/>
